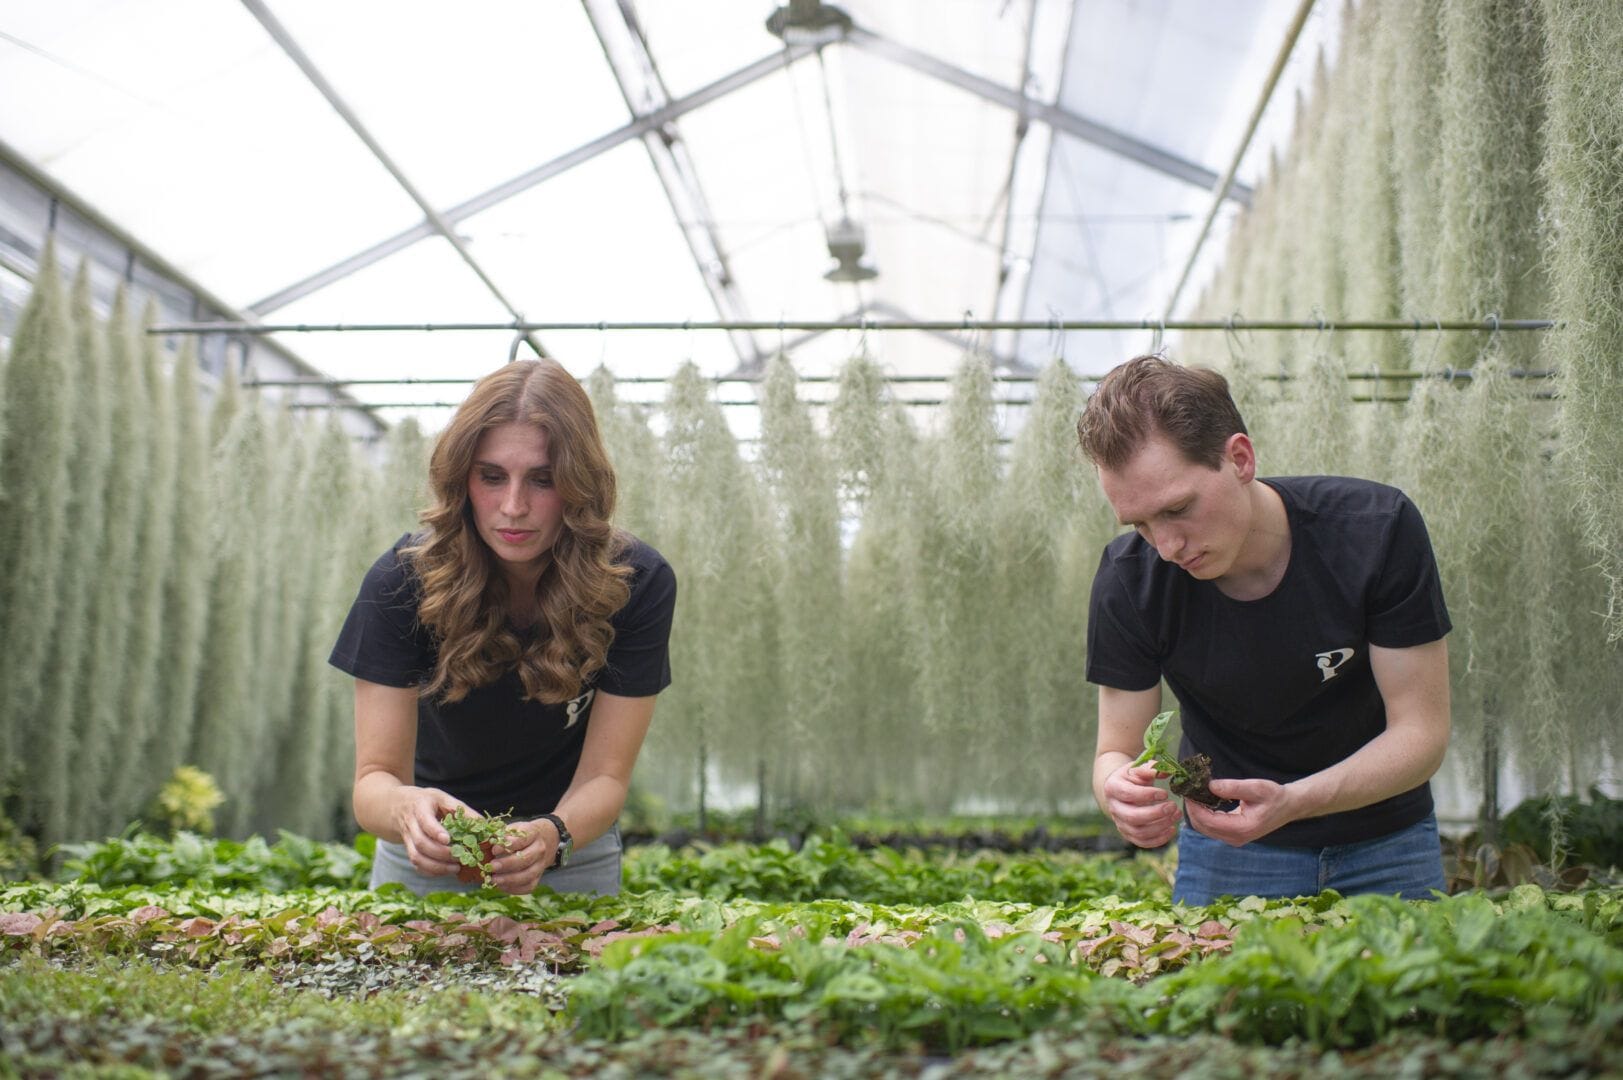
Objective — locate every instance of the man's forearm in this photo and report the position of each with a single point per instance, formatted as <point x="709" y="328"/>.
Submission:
<point x="1393" y="762"/>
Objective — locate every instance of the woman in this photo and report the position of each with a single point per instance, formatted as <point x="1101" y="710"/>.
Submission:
<point x="506" y="656"/>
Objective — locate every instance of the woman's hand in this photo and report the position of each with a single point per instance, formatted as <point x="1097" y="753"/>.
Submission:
<point x="417" y="817"/>
<point x="1144" y="814"/>
<point x="524" y="857"/>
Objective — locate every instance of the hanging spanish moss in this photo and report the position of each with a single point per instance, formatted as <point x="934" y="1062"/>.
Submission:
<point x="279" y="611"/>
<point x="1368" y="234"/>
<point x="289" y="795"/>
<point x="151" y="425"/>
<point x="67" y="737"/>
<point x="1411" y="33"/>
<point x="185" y="601"/>
<point x="1582" y="170"/>
<point x="805" y="573"/>
<point x="876" y="452"/>
<point x="34" y="526"/>
<point x="1489" y="194"/>
<point x="1049" y="547"/>
<point x="1470" y="221"/>
<point x="708" y="533"/>
<point x="112" y="613"/>
<point x="229" y="718"/>
<point x="959" y="680"/>
<point x="634" y="449"/>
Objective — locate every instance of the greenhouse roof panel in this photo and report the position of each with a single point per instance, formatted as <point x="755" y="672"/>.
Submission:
<point x="192" y="127"/>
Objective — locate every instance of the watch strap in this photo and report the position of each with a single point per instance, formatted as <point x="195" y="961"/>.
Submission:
<point x="566" y="843"/>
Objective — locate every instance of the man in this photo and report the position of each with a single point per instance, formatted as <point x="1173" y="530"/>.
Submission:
<point x="1299" y="622"/>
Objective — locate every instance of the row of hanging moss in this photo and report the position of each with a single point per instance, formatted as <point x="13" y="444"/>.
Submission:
<point x="1464" y="158"/>
<point x="872" y="615"/>
<point x="172" y="576"/>
<point x="869" y="616"/>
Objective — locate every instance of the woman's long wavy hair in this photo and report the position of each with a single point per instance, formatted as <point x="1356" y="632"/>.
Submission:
<point x="465" y="600"/>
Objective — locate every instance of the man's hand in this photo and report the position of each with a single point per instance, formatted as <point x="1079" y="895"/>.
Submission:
<point x="1144" y="814"/>
<point x="1264" y="807"/>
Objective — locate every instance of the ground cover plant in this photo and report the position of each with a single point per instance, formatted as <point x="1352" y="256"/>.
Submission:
<point x="213" y="957"/>
<point x="135" y="1020"/>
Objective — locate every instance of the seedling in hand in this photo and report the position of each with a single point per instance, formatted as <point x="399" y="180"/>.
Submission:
<point x="1191" y="777"/>
<point x="472" y="840"/>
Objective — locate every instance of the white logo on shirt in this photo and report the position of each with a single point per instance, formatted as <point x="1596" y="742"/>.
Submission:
<point x="1329" y="661"/>
<point x="577" y="708"/>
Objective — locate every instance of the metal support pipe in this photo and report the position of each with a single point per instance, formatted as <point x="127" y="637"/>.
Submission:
<point x="644" y="92"/>
<point x="1491" y="324"/>
<point x="280" y="35"/>
<point x="1451" y="375"/>
<point x="1286" y="47"/>
<point x="1060" y="119"/>
<point x="723" y="86"/>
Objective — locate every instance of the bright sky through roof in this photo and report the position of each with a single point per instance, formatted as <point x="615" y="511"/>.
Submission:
<point x="187" y="124"/>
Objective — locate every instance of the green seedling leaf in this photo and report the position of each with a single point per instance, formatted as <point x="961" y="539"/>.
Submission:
<point x="472" y="837"/>
<point x="1157" y="752"/>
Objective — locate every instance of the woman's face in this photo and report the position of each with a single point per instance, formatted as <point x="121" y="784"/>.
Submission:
<point x="515" y="507"/>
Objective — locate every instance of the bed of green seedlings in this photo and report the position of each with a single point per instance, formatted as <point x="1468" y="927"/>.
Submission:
<point x="926" y="966"/>
<point x="997" y="832"/>
<point x="116" y="1019"/>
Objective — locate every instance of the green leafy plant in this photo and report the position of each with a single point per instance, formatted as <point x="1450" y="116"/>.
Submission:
<point x="830" y="867"/>
<point x="1156" y="751"/>
<point x="473" y="837"/>
<point x="19" y="854"/>
<point x="1494" y="866"/>
<point x="1587" y="831"/>
<point x="142" y="858"/>
<point x="1191" y="777"/>
<point x="187" y="801"/>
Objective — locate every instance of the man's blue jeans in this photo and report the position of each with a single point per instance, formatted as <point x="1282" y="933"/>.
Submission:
<point x="1407" y="863"/>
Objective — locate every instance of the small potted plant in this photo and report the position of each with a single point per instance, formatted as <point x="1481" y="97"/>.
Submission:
<point x="473" y="838"/>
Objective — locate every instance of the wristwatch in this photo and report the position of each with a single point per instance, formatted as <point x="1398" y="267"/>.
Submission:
<point x="566" y="843"/>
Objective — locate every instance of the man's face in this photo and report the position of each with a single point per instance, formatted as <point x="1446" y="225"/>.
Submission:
<point x="1192" y="515"/>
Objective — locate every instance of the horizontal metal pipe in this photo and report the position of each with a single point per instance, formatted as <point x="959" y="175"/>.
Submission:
<point x="1459" y="375"/>
<point x="1236" y="325"/>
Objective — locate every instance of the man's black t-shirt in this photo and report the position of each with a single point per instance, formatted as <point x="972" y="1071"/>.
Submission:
<point x="494" y="750"/>
<point x="1281" y="687"/>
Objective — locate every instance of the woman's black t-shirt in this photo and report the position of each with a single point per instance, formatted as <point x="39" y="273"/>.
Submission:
<point x="1281" y="687"/>
<point x="494" y="750"/>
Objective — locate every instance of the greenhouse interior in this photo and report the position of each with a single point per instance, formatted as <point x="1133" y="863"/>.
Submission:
<point x="838" y="283"/>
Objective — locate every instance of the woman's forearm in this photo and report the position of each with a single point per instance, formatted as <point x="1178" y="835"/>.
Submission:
<point x="590" y="806"/>
<point x="375" y="798"/>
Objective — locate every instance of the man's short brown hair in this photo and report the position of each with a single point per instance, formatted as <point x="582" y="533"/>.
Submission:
<point x="1150" y="395"/>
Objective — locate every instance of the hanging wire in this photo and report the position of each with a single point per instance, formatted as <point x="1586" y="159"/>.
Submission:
<point x="805" y="134"/>
<point x="833" y="137"/>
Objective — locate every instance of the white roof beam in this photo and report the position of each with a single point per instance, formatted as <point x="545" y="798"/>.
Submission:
<point x="615" y="23"/>
<point x="1090" y="131"/>
<point x="1022" y="200"/>
<point x="525" y="181"/>
<point x="1288" y="46"/>
<point x="432" y="217"/>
